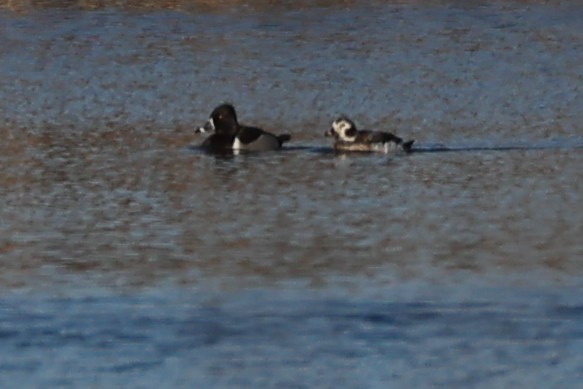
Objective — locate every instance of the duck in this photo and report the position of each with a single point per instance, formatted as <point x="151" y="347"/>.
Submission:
<point x="349" y="138"/>
<point x="228" y="135"/>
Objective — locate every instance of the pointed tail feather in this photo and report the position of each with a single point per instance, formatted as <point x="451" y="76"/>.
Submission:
<point x="283" y="138"/>
<point x="408" y="146"/>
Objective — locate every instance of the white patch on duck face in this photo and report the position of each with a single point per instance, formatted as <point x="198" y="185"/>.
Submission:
<point x="212" y="122"/>
<point x="341" y="126"/>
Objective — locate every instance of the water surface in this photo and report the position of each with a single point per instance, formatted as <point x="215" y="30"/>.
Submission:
<point x="128" y="257"/>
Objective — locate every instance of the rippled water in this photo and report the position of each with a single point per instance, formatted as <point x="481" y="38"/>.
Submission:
<point x="128" y="257"/>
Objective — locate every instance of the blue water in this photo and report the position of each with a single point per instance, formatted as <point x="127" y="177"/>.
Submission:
<point x="271" y="339"/>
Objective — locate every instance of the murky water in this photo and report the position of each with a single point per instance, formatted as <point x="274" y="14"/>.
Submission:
<point x="130" y="258"/>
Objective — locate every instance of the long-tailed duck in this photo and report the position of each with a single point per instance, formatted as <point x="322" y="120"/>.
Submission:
<point x="349" y="138"/>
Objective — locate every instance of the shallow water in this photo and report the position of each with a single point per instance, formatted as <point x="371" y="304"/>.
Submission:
<point x="128" y="257"/>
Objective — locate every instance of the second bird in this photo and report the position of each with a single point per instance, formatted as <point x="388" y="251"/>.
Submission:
<point x="349" y="138"/>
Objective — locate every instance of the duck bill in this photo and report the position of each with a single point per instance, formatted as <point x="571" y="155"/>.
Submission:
<point x="208" y="127"/>
<point x="330" y="132"/>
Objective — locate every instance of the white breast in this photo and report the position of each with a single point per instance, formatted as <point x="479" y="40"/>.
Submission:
<point x="237" y="145"/>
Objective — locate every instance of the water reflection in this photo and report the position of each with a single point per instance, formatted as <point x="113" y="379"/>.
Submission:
<point x="296" y="213"/>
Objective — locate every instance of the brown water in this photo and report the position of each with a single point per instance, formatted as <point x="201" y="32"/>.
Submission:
<point x="353" y="262"/>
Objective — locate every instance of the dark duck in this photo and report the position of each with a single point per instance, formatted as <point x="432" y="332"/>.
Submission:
<point x="228" y="135"/>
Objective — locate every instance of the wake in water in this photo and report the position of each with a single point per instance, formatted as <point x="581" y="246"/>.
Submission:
<point x="550" y="145"/>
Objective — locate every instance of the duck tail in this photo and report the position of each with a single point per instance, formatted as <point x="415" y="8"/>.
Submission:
<point x="408" y="146"/>
<point x="283" y="138"/>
